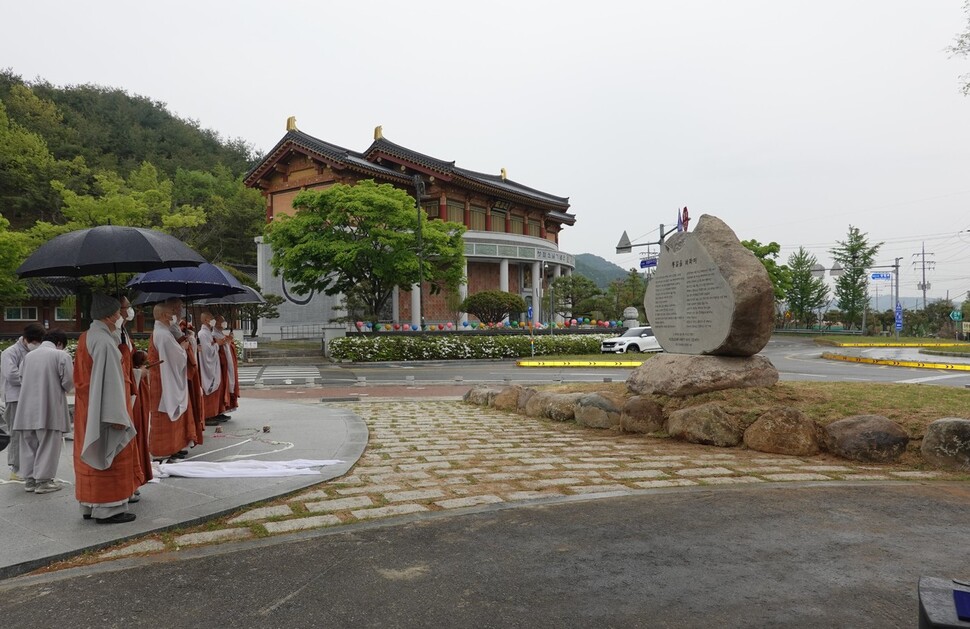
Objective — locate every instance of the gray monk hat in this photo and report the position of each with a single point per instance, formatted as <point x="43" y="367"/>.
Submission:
<point x="103" y="306"/>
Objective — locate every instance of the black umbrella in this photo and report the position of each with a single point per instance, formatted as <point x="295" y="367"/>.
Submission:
<point x="108" y="249"/>
<point x="205" y="280"/>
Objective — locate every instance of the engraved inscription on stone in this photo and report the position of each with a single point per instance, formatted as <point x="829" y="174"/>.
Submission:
<point x="688" y="302"/>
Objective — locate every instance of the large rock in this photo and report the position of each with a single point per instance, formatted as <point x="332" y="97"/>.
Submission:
<point x="707" y="424"/>
<point x="947" y="444"/>
<point x="679" y="375"/>
<point x="709" y="294"/>
<point x="599" y="410"/>
<point x="871" y="438"/>
<point x="511" y="398"/>
<point x="783" y="430"/>
<point x="481" y="395"/>
<point x="642" y="414"/>
<point x="560" y="407"/>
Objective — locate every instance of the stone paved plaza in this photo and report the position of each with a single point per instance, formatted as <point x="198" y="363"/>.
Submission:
<point x="427" y="456"/>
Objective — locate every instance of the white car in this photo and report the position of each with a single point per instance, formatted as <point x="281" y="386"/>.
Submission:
<point x="633" y="340"/>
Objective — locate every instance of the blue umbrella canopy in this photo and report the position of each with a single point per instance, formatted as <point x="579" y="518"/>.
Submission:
<point x="250" y="296"/>
<point x="108" y="249"/>
<point x="205" y="280"/>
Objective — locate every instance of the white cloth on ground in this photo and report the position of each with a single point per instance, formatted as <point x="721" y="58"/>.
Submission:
<point x="243" y="469"/>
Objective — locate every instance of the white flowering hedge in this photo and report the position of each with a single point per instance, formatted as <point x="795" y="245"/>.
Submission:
<point x="369" y="348"/>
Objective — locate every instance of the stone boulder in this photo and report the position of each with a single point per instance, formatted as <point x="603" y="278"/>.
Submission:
<point x="869" y="438"/>
<point x="560" y="407"/>
<point x="482" y="395"/>
<point x="947" y="444"/>
<point x="710" y="295"/>
<point x="599" y="410"/>
<point x="783" y="430"/>
<point x="642" y="414"/>
<point x="707" y="424"/>
<point x="510" y="398"/>
<point x="680" y="375"/>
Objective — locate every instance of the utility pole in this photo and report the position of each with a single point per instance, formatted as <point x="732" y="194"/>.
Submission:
<point x="898" y="305"/>
<point x="923" y="264"/>
<point x="418" y="194"/>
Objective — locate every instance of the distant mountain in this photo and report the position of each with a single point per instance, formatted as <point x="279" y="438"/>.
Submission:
<point x="601" y="271"/>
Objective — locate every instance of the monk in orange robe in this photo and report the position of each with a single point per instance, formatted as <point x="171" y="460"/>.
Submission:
<point x="143" y="460"/>
<point x="103" y="430"/>
<point x="211" y="368"/>
<point x="195" y="380"/>
<point x="172" y="423"/>
<point x="141" y="417"/>
<point x="230" y="364"/>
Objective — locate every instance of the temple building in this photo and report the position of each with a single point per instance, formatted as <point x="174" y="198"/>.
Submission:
<point x="511" y="242"/>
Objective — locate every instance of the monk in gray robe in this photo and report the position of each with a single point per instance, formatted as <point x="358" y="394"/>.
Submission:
<point x="103" y="457"/>
<point x="11" y="360"/>
<point x="42" y="417"/>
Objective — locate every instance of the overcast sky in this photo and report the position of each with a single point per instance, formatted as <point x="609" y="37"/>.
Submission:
<point x="788" y="120"/>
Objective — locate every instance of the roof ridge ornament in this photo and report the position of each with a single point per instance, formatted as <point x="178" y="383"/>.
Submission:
<point x="291" y="124"/>
<point x="379" y="132"/>
<point x="504" y="174"/>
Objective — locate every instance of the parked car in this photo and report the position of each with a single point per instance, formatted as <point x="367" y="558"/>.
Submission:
<point x="633" y="340"/>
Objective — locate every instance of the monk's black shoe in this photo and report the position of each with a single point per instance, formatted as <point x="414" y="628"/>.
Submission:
<point x="118" y="518"/>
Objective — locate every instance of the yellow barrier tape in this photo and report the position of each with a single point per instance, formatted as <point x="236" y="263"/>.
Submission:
<point x="579" y="363"/>
<point x="895" y="363"/>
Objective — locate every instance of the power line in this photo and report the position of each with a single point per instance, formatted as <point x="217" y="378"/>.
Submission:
<point x="923" y="264"/>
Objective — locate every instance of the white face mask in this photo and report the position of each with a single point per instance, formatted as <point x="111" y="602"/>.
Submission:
<point x="129" y="314"/>
<point x="32" y="346"/>
<point x="175" y="320"/>
<point x="119" y="322"/>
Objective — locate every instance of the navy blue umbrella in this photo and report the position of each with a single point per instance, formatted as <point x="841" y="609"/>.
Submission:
<point x="205" y="280"/>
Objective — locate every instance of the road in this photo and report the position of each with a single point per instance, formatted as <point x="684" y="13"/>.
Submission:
<point x="795" y="359"/>
<point x="781" y="556"/>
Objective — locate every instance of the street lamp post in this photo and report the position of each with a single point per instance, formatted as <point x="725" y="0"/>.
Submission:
<point x="418" y="194"/>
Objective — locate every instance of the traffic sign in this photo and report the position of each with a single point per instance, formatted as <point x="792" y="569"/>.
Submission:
<point x="649" y="262"/>
<point x="882" y="276"/>
<point x="899" y="317"/>
<point x="530" y="313"/>
<point x="956" y="315"/>
<point x="966" y="327"/>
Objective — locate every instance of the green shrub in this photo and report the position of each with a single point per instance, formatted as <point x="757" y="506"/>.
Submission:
<point x="359" y="348"/>
<point x="492" y="306"/>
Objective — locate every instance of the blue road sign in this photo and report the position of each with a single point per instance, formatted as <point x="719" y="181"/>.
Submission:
<point x="899" y="317"/>
<point x="647" y="263"/>
<point x="530" y="313"/>
<point x="882" y="276"/>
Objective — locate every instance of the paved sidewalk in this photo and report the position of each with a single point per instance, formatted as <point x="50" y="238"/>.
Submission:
<point x="426" y="456"/>
<point x="37" y="530"/>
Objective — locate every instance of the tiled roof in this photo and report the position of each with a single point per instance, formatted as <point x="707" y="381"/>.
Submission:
<point x="39" y="289"/>
<point x="366" y="163"/>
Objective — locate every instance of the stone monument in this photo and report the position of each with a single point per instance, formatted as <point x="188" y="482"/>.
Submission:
<point x="711" y="305"/>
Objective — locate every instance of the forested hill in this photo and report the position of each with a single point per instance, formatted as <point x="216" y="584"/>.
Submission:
<point x="601" y="271"/>
<point x="79" y="156"/>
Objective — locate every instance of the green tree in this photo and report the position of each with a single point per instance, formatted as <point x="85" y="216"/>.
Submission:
<point x="768" y="254"/>
<point x="14" y="247"/>
<point x="620" y="294"/>
<point x="255" y="312"/>
<point x="961" y="48"/>
<point x="805" y="293"/>
<point x="492" y="306"/>
<point x="573" y="294"/>
<point x="855" y="255"/>
<point x="26" y="167"/>
<point x="363" y="238"/>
